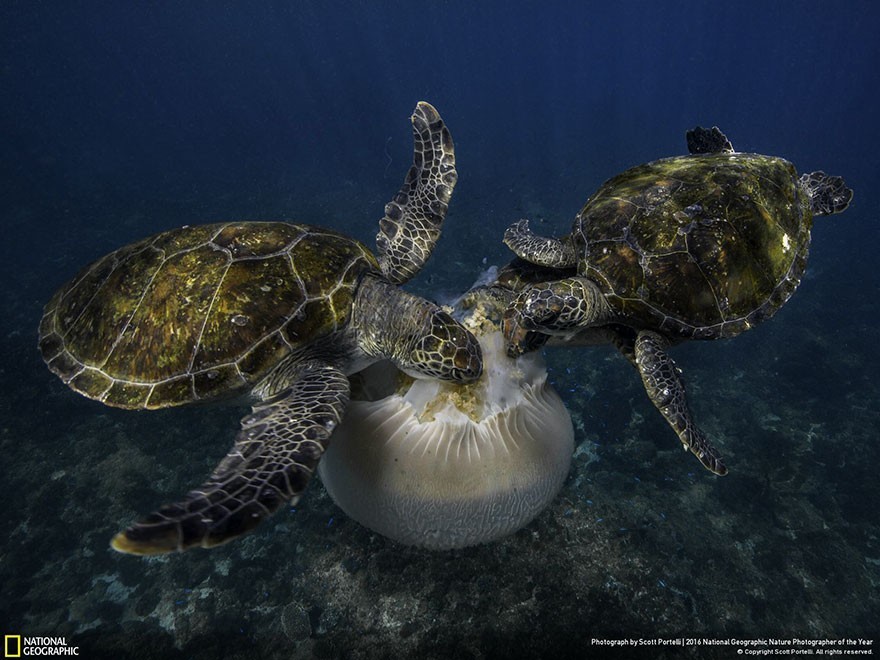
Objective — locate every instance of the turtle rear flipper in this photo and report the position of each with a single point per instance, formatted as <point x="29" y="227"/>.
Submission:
<point x="665" y="388"/>
<point x="274" y="456"/>
<point x="828" y="194"/>
<point x="708" y="141"/>
<point x="414" y="217"/>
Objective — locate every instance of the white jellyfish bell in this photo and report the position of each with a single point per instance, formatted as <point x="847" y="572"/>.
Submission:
<point x="439" y="465"/>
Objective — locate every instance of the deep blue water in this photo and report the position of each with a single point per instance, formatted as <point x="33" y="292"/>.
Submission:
<point x="120" y="120"/>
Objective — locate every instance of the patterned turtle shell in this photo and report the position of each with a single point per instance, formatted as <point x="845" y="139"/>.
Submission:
<point x="698" y="246"/>
<point x="199" y="312"/>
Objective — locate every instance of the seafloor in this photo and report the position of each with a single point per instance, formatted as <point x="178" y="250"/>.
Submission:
<point x="641" y="542"/>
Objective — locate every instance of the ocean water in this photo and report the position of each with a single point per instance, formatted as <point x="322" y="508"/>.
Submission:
<point x="120" y="120"/>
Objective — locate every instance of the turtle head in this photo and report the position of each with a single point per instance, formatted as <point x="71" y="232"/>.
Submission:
<point x="444" y="349"/>
<point x="416" y="334"/>
<point x="827" y="194"/>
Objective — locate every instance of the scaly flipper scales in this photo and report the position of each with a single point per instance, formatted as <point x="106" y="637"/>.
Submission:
<point x="540" y="250"/>
<point x="560" y="307"/>
<point x="414" y="217"/>
<point x="274" y="456"/>
<point x="828" y="194"/>
<point x="666" y="391"/>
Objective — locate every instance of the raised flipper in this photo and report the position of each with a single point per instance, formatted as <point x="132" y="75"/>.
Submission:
<point x="665" y="388"/>
<point x="540" y="250"/>
<point x="828" y="194"/>
<point x="274" y="456"/>
<point x="562" y="307"/>
<point x="414" y="217"/>
<point x="708" y="141"/>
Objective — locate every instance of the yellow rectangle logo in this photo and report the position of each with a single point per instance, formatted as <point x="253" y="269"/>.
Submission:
<point x="12" y="646"/>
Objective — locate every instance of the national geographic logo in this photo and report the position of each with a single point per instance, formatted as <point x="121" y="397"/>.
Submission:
<point x="17" y="646"/>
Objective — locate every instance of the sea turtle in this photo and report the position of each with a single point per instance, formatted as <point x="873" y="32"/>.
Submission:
<point x="282" y="312"/>
<point x="700" y="246"/>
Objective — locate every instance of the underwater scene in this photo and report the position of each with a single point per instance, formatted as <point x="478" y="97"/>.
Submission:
<point x="121" y="121"/>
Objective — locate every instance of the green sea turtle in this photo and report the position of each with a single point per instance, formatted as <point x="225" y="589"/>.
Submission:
<point x="282" y="312"/>
<point x="701" y="246"/>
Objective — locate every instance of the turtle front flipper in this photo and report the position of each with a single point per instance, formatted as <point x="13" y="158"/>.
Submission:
<point x="414" y="217"/>
<point x="540" y="250"/>
<point x="665" y="388"/>
<point x="274" y="456"/>
<point x="563" y="307"/>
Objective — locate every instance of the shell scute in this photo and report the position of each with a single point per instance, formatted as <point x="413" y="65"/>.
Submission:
<point x="164" y="327"/>
<point x="270" y="351"/>
<point x="92" y="314"/>
<point x="246" y="240"/>
<point x="618" y="266"/>
<point x="127" y="395"/>
<point x="325" y="259"/>
<point x="245" y="308"/>
<point x="170" y="392"/>
<point x="313" y="320"/>
<point x="66" y="367"/>
<point x="91" y="380"/>
<point x="696" y="302"/>
<point x="180" y="240"/>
